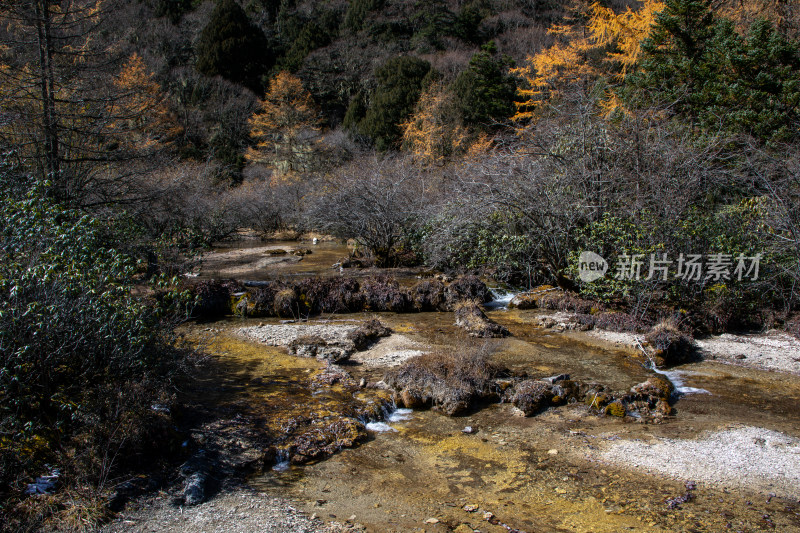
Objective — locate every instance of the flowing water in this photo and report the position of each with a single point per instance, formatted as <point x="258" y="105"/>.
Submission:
<point x="542" y="473"/>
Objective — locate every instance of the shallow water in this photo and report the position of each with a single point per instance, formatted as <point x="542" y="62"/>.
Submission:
<point x="533" y="474"/>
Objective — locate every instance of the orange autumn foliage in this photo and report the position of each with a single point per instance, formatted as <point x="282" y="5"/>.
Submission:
<point x="284" y="126"/>
<point x="608" y="44"/>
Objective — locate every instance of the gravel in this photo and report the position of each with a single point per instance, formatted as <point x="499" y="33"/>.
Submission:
<point x="387" y="352"/>
<point x="772" y="351"/>
<point x="284" y="334"/>
<point x="769" y="351"/>
<point x="745" y="457"/>
<point x="239" y="511"/>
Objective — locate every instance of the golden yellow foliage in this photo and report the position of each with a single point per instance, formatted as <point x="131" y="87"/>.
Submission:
<point x="627" y="30"/>
<point x="580" y="54"/>
<point x="434" y="132"/>
<point x="282" y="126"/>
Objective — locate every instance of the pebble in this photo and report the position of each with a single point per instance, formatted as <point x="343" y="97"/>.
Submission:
<point x="552" y="452"/>
<point x="432" y="521"/>
<point x="470" y="508"/>
<point x="468" y="430"/>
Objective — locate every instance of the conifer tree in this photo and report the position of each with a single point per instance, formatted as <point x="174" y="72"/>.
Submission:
<point x="486" y="91"/>
<point x="232" y="47"/>
<point x="400" y="82"/>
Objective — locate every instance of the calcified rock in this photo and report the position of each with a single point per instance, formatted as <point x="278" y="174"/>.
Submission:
<point x="470" y="317"/>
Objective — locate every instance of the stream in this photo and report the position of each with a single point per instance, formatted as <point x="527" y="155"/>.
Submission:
<point x="423" y="471"/>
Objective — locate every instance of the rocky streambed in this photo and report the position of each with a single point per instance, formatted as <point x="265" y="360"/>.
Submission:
<point x="325" y="451"/>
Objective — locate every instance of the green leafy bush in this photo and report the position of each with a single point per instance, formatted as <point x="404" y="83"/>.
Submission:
<point x="81" y="358"/>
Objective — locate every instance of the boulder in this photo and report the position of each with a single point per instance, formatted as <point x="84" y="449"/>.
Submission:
<point x="532" y="396"/>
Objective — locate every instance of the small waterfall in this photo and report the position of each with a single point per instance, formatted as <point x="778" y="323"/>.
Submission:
<point x="677" y="381"/>
<point x="389" y="413"/>
<point x="281" y="461"/>
<point x="500" y="299"/>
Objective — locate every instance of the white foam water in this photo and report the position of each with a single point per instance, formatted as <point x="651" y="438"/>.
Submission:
<point x="395" y="415"/>
<point x="500" y="299"/>
<point x="379" y="427"/>
<point x="675" y="377"/>
<point x="398" y="415"/>
<point x="282" y="463"/>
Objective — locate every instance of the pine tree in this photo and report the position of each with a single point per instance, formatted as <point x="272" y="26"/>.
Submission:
<point x="678" y="64"/>
<point x="400" y="83"/>
<point x="231" y="47"/>
<point x="485" y="91"/>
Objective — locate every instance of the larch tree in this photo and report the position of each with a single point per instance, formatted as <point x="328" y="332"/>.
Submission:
<point x="435" y="131"/>
<point x="595" y="43"/>
<point x="75" y="111"/>
<point x="285" y="127"/>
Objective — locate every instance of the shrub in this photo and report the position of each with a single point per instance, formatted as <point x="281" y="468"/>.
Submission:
<point x="82" y="359"/>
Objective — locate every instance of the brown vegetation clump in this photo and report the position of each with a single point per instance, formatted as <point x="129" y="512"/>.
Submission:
<point x="470" y="317"/>
<point x="263" y="299"/>
<point x="384" y="294"/>
<point x="669" y="345"/>
<point x="615" y="321"/>
<point x="428" y="295"/>
<point x="564" y="301"/>
<point x="532" y="396"/>
<point x="453" y="382"/>
<point x="319" y="442"/>
<point x="467" y="288"/>
<point x="213" y="298"/>
<point x="368" y="333"/>
<point x="287" y="303"/>
<point x="330" y="295"/>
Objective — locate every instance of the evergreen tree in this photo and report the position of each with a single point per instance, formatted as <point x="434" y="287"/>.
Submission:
<point x="762" y="83"/>
<point x="400" y="82"/>
<point x="677" y="57"/>
<point x="704" y="71"/>
<point x="486" y="90"/>
<point x="231" y="47"/>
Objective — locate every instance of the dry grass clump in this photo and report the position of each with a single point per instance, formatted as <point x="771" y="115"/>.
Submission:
<point x="467" y="287"/>
<point x="669" y="345"/>
<point x="428" y="295"/>
<point x="565" y="301"/>
<point x="615" y="321"/>
<point x="330" y="295"/>
<point x="452" y="381"/>
<point x="384" y="294"/>
<point x="213" y="298"/>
